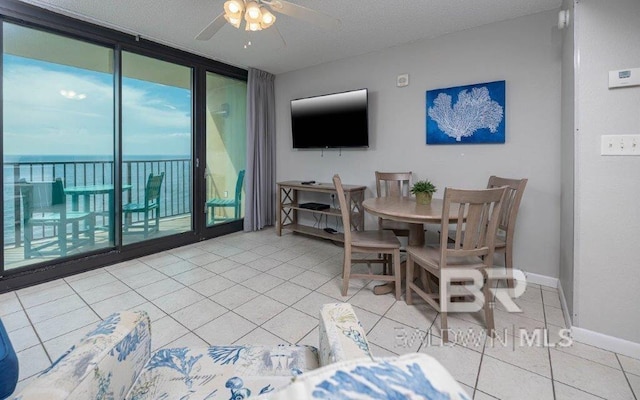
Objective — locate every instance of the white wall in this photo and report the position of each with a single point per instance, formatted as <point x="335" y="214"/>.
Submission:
<point x="607" y="189"/>
<point x="568" y="160"/>
<point x="525" y="52"/>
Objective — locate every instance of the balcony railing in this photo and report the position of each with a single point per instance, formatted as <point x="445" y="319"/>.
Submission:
<point x="175" y="198"/>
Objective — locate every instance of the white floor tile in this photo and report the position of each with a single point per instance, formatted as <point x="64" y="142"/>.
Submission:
<point x="103" y="292"/>
<point x="510" y="350"/>
<point x="212" y="286"/>
<point x="310" y="280"/>
<point x="159" y="289"/>
<point x="509" y="382"/>
<point x="634" y="381"/>
<point x="589" y="376"/>
<point x="204" y="259"/>
<point x="418" y="315"/>
<point x="177" y="300"/>
<point x="288" y="293"/>
<point x="194" y="276"/>
<point x="260" y="336"/>
<point x="9" y="304"/>
<point x="225" y="329"/>
<point x="234" y="296"/>
<point x="631" y="365"/>
<point x="54" y="308"/>
<point x="245" y="257"/>
<point x="262" y="283"/>
<point x="58" y="346"/>
<point x="554" y="316"/>
<point x="198" y="314"/>
<point x="222" y="250"/>
<point x="15" y="320"/>
<point x="188" y="340"/>
<point x="57" y="326"/>
<point x="565" y="392"/>
<point x="260" y="309"/>
<point x="164" y="331"/>
<point x="118" y="303"/>
<point x="333" y="288"/>
<point x="176" y="268"/>
<point x="311" y="339"/>
<point x="152" y="311"/>
<point x="23" y="338"/>
<point x="366" y="318"/>
<point x="32" y="361"/>
<point x="395" y="337"/>
<point x="221" y="266"/>
<point x="591" y="353"/>
<point x="551" y="299"/>
<point x="33" y="298"/>
<point x="291" y="325"/>
<point x="461" y="362"/>
<point x="285" y="255"/>
<point x="312" y="303"/>
<point x="379" y="352"/>
<point x="160" y="259"/>
<point x="378" y="304"/>
<point x="145" y="278"/>
<point x="265" y="250"/>
<point x="96" y="279"/>
<point x="241" y="274"/>
<point x="187" y="252"/>
<point x="264" y="264"/>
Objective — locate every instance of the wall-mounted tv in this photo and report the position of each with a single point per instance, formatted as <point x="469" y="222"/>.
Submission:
<point x="336" y="120"/>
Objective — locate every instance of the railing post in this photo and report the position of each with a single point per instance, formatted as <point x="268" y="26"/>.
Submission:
<point x="17" y="227"/>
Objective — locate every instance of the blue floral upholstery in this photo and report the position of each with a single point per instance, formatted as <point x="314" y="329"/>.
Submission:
<point x="9" y="370"/>
<point x="114" y="361"/>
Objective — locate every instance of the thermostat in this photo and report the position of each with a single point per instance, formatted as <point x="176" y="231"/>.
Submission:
<point x="624" y="77"/>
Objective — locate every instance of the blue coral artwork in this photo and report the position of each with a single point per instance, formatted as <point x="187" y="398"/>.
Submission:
<point x="466" y="114"/>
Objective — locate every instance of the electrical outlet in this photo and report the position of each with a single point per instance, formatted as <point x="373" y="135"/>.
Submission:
<point x="226" y="194"/>
<point x="620" y="145"/>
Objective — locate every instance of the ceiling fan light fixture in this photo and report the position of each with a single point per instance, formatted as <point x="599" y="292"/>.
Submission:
<point x="232" y="7"/>
<point x="267" y="19"/>
<point x="253" y="26"/>
<point x="233" y="20"/>
<point x="253" y="12"/>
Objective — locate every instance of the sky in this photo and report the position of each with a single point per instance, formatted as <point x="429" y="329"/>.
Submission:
<point x="40" y="120"/>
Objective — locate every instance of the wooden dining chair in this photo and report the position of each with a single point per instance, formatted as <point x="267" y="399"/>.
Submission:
<point x="507" y="223"/>
<point x="367" y="242"/>
<point x="394" y="184"/>
<point x="473" y="246"/>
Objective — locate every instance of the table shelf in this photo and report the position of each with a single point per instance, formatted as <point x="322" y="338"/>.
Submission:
<point x="289" y="207"/>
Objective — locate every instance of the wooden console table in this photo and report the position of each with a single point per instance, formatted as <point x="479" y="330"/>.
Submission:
<point x="288" y="208"/>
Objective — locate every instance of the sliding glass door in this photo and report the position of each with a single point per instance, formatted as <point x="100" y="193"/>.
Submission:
<point x="156" y="148"/>
<point x="226" y="140"/>
<point x="58" y="135"/>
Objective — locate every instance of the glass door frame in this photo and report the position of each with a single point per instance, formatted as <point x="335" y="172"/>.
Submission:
<point x="27" y="15"/>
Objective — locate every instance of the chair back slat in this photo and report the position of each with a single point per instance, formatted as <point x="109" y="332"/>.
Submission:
<point x="344" y="210"/>
<point x="239" y="184"/>
<point x="393" y="184"/>
<point x="476" y="225"/>
<point x="513" y="197"/>
<point x="153" y="189"/>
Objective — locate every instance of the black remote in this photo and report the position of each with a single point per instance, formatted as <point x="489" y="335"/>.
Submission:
<point x="308" y="182"/>
<point x="330" y="230"/>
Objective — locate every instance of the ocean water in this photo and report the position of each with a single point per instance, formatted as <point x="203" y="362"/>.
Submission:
<point x="95" y="170"/>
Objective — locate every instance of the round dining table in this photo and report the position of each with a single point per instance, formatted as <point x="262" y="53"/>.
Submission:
<point x="405" y="209"/>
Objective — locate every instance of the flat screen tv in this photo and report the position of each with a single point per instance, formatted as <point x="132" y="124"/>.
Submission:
<point x="336" y="120"/>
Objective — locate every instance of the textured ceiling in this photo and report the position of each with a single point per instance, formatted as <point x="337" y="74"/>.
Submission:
<point x="367" y="25"/>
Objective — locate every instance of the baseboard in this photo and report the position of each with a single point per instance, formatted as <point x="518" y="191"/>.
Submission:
<point x="606" y="342"/>
<point x="564" y="306"/>
<point x="541" y="280"/>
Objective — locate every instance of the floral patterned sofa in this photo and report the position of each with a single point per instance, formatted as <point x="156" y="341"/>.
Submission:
<point x="114" y="361"/>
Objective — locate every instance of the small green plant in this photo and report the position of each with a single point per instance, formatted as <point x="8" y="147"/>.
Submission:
<point x="423" y="187"/>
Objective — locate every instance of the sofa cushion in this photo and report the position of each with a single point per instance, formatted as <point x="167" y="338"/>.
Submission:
<point x="412" y="376"/>
<point x="221" y="372"/>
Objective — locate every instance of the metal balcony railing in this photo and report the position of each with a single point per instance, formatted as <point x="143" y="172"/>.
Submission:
<point x="175" y="199"/>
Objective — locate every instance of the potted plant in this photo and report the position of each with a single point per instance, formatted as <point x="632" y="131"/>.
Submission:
<point x="423" y="190"/>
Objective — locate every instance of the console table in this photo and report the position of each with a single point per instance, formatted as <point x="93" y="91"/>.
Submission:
<point x="288" y="208"/>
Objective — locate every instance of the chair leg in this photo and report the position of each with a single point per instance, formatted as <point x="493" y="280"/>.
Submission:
<point x="346" y="271"/>
<point x="146" y="223"/>
<point x="508" y="264"/>
<point x="92" y="229"/>
<point x="28" y="236"/>
<point x="409" y="266"/>
<point x="488" y="307"/>
<point x="397" y="272"/>
<point x="62" y="238"/>
<point x="444" y="326"/>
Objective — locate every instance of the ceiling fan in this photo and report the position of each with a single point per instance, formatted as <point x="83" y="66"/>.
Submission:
<point x="258" y="15"/>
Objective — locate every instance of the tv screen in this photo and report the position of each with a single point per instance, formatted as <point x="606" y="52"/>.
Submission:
<point x="332" y="120"/>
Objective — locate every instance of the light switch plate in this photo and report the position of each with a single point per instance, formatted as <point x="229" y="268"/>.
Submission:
<point x="620" y="145"/>
<point x="402" y="80"/>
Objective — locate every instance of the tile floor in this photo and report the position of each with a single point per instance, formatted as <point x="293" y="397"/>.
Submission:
<point x="263" y="289"/>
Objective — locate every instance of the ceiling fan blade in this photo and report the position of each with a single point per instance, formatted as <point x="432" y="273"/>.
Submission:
<point x="304" y="13"/>
<point x="211" y="29"/>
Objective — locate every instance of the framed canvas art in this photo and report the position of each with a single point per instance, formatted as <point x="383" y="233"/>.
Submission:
<point x="466" y="114"/>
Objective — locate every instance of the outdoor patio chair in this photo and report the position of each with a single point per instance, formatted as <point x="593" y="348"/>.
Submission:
<point x="45" y="209"/>
<point x="150" y="207"/>
<point x="236" y="202"/>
